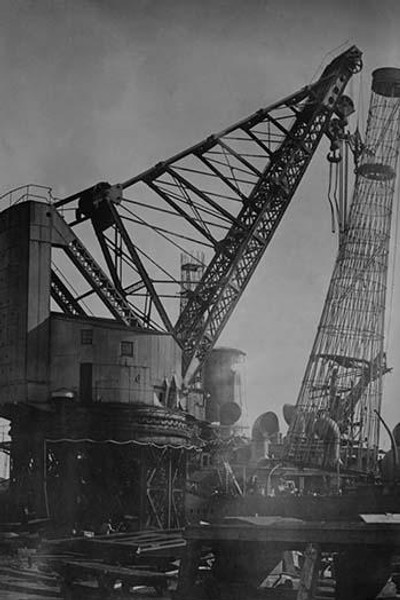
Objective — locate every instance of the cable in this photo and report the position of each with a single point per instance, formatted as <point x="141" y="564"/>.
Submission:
<point x="330" y="199"/>
<point x="388" y="336"/>
<point x="335" y="197"/>
<point x="361" y="109"/>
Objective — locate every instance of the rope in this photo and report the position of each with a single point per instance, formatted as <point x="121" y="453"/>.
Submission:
<point x="330" y="199"/>
<point x="335" y="192"/>
<point x="361" y="110"/>
<point x="118" y="443"/>
<point x="336" y="213"/>
<point x="388" y="336"/>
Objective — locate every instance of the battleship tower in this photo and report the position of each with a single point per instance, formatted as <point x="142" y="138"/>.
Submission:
<point x="336" y="418"/>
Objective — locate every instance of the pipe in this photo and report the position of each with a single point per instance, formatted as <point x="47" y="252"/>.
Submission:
<point x="269" y="478"/>
<point x="392" y="442"/>
<point x="327" y="429"/>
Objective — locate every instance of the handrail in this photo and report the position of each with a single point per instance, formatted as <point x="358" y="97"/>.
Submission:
<point x="30" y="191"/>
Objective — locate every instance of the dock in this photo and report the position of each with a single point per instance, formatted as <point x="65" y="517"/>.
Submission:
<point x="246" y="549"/>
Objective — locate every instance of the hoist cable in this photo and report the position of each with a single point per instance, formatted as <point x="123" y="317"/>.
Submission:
<point x="346" y="185"/>
<point x="335" y="195"/>
<point x="330" y="199"/>
<point x="388" y="336"/>
<point x="360" y="112"/>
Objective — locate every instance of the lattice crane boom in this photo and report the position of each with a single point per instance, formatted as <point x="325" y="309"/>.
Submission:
<point x="234" y="263"/>
<point x="226" y="195"/>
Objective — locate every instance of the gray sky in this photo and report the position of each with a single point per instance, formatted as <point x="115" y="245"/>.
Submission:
<point x="102" y="89"/>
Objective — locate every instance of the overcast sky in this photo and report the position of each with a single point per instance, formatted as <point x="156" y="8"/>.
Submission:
<point x="101" y="89"/>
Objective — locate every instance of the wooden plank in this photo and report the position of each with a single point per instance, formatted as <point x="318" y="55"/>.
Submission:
<point x="132" y="546"/>
<point x="19" y="587"/>
<point x="381" y="518"/>
<point x="104" y="576"/>
<point x="145" y="542"/>
<point x="328" y="534"/>
<point x="24" y="575"/>
<point x="173" y="552"/>
<point x="133" y="575"/>
<point x="137" y="539"/>
<point x="162" y="544"/>
<point x="126" y="537"/>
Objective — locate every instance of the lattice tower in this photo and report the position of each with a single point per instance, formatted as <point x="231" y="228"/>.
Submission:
<point x="335" y="422"/>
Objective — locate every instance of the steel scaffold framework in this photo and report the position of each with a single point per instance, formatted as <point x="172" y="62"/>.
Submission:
<point x="222" y="199"/>
<point x="335" y="423"/>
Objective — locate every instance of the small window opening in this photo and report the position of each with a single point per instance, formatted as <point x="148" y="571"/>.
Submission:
<point x="126" y="348"/>
<point x="86" y="336"/>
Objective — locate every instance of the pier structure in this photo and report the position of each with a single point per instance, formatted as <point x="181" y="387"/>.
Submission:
<point x="247" y="548"/>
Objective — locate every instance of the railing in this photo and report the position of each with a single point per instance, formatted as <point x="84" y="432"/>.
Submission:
<point x="23" y="193"/>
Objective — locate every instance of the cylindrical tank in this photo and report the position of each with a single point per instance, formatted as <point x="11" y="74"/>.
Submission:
<point x="223" y="381"/>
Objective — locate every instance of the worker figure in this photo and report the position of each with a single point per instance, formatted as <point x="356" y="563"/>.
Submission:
<point x="106" y="528"/>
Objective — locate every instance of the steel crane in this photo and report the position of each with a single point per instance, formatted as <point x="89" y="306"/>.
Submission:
<point x="225" y="195"/>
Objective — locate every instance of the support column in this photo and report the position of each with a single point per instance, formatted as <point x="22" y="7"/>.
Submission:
<point x="309" y="573"/>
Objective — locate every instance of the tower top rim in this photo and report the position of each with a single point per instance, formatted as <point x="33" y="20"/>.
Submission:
<point x="386" y="82"/>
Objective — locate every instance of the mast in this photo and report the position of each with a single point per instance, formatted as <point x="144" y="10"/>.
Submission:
<point x="335" y="422"/>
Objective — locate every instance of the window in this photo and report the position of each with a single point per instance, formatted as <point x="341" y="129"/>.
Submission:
<point x="86" y="336"/>
<point x="126" y="348"/>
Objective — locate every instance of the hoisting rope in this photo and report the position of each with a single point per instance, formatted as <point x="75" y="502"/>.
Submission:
<point x="335" y="197"/>
<point x="335" y="201"/>
<point x="333" y="230"/>
<point x="388" y="336"/>
<point x="339" y="179"/>
<point x="346" y="185"/>
<point x="361" y="110"/>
